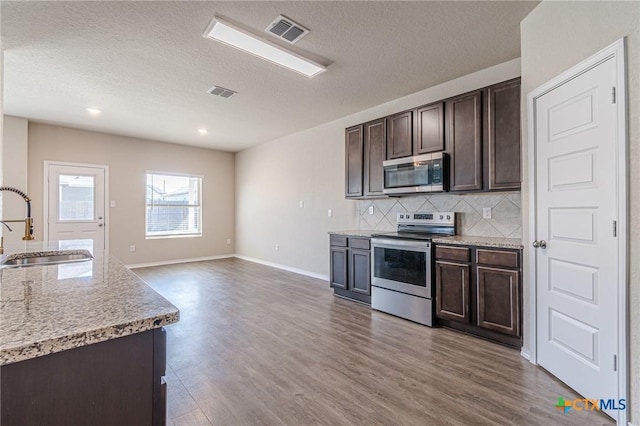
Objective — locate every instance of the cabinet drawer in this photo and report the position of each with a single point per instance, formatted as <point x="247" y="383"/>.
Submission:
<point x="338" y="240"/>
<point x="461" y="254"/>
<point x="359" y="243"/>
<point x="508" y="259"/>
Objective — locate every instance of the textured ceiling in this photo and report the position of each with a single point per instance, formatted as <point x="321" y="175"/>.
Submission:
<point x="147" y="66"/>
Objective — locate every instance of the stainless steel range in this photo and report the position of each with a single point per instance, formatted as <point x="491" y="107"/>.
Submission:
<point x="402" y="265"/>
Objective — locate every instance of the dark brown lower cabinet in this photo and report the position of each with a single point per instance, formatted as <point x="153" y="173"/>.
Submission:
<point x="478" y="290"/>
<point x="498" y="299"/>
<point x="452" y="291"/>
<point x="116" y="382"/>
<point x="360" y="271"/>
<point x="350" y="267"/>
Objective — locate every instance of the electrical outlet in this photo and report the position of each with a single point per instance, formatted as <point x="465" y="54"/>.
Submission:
<point x="329" y="212"/>
<point x="301" y="204"/>
<point x="132" y="248"/>
<point x="112" y="203"/>
<point x="370" y="209"/>
<point x="486" y="213"/>
<point x="277" y="247"/>
<point x="228" y="241"/>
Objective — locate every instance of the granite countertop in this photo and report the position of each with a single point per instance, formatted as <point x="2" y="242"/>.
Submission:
<point x="467" y="240"/>
<point x="355" y="233"/>
<point x="52" y="308"/>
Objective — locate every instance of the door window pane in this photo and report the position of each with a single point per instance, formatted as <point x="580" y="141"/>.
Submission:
<point x="76" y="198"/>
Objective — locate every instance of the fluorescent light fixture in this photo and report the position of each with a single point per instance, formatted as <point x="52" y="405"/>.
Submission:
<point x="228" y="33"/>
<point x="203" y="131"/>
<point x="94" y="111"/>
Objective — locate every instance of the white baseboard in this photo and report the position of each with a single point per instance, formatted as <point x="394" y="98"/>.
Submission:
<point x="525" y="354"/>
<point x="173" y="262"/>
<point x="284" y="267"/>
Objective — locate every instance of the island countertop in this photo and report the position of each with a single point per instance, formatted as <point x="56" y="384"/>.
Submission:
<point x="52" y="308"/>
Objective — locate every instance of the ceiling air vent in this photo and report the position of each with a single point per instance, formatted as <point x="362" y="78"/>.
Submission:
<point x="221" y="91"/>
<point x="286" y="29"/>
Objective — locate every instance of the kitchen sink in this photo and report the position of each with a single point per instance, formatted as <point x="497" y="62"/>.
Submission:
<point x="19" y="260"/>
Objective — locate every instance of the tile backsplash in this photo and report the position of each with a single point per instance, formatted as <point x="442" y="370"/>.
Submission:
<point x="506" y="218"/>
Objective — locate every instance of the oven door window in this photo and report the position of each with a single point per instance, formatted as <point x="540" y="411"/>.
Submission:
<point x="409" y="267"/>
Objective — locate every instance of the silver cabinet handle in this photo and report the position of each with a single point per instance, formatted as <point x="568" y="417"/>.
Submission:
<point x="542" y="244"/>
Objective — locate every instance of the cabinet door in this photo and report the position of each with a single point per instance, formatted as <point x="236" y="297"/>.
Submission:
<point x="400" y="135"/>
<point x="464" y="141"/>
<point x="452" y="291"/>
<point x="360" y="271"/>
<point x="338" y="267"/>
<point x="430" y="129"/>
<point x="498" y="300"/>
<point x="375" y="152"/>
<point x="353" y="162"/>
<point x="503" y="135"/>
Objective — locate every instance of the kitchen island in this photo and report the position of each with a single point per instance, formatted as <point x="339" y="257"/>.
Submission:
<point x="81" y="343"/>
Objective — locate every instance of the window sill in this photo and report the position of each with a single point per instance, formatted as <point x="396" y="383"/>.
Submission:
<point x="162" y="237"/>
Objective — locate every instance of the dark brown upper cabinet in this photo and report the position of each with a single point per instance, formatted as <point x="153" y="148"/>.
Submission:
<point x="503" y="136"/>
<point x="353" y="161"/>
<point x="430" y="129"/>
<point x="464" y="141"/>
<point x="375" y="152"/>
<point x="400" y="135"/>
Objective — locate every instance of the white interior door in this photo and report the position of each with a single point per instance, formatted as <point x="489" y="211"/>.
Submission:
<point x="76" y="203"/>
<point x="576" y="150"/>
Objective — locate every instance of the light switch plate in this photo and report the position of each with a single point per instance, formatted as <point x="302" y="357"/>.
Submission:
<point x="370" y="209"/>
<point x="329" y="212"/>
<point x="112" y="203"/>
<point x="301" y="204"/>
<point x="486" y="213"/>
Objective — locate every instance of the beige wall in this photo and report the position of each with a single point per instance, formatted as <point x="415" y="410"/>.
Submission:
<point x="128" y="159"/>
<point x="272" y="179"/>
<point x="556" y="36"/>
<point x="14" y="173"/>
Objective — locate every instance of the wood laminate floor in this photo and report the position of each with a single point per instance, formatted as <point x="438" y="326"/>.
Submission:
<point x="260" y="346"/>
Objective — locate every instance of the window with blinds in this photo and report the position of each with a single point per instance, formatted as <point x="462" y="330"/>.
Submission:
<point x="173" y="205"/>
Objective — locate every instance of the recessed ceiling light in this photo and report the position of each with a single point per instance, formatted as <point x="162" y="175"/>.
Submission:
<point x="94" y="111"/>
<point x="203" y="131"/>
<point x="232" y="35"/>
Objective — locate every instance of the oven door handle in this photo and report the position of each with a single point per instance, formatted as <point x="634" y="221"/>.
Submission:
<point x="401" y="245"/>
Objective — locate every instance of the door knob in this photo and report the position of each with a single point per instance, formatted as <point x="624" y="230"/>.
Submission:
<point x="100" y="225"/>
<point x="542" y="244"/>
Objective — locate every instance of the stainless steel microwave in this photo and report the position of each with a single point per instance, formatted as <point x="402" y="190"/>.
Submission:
<point x="422" y="173"/>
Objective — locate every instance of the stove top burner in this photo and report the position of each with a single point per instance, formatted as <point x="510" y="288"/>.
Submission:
<point x="409" y="235"/>
<point x="422" y="226"/>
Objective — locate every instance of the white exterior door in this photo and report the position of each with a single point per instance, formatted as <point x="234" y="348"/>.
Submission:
<point x="576" y="149"/>
<point x="76" y="203"/>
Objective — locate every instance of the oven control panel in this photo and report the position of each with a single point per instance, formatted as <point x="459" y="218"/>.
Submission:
<point x="427" y="218"/>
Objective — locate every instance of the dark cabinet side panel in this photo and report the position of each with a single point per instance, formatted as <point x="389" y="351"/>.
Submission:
<point x="338" y="267"/>
<point x="498" y="300"/>
<point x="360" y="271"/>
<point x="400" y="135"/>
<point x="504" y="135"/>
<point x="353" y="162"/>
<point x="375" y="152"/>
<point x="464" y="141"/>
<point x="107" y="383"/>
<point x="430" y="129"/>
<point x="452" y="291"/>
